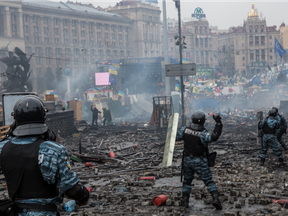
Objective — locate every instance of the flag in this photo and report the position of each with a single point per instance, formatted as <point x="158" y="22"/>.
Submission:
<point x="269" y="68"/>
<point x="217" y="90"/>
<point x="231" y="90"/>
<point x="120" y="93"/>
<point x="185" y="61"/>
<point x="113" y="72"/>
<point x="112" y="80"/>
<point x="279" y="48"/>
<point x="230" y="82"/>
<point x="177" y="87"/>
<point x="208" y="89"/>
<point x="196" y="90"/>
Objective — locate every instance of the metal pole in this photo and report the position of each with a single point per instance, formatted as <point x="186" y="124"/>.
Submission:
<point x="181" y="77"/>
<point x="166" y="57"/>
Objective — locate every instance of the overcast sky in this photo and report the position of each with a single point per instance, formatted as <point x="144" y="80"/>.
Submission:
<point x="224" y="14"/>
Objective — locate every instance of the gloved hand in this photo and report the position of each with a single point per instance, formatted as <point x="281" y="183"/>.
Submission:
<point x="217" y="118"/>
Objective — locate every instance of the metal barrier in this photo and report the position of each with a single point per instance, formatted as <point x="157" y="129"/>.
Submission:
<point x="61" y="123"/>
<point x="162" y="110"/>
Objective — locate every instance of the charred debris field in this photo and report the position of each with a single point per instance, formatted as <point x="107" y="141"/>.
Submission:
<point x="245" y="187"/>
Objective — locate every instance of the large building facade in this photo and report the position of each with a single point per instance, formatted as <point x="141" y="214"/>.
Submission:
<point x="249" y="48"/>
<point x="75" y="36"/>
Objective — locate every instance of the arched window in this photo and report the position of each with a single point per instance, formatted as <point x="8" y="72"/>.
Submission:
<point x="205" y="29"/>
<point x="256" y="28"/>
<point x="196" y="30"/>
<point x="250" y="29"/>
<point x="262" y="28"/>
<point x="200" y="30"/>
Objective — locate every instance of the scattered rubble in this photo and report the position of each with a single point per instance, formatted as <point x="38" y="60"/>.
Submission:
<point x="117" y="187"/>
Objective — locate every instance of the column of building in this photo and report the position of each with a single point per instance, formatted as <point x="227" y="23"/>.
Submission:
<point x="7" y="22"/>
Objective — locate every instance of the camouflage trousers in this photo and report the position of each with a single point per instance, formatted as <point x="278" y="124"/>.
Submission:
<point x="279" y="134"/>
<point x="200" y="167"/>
<point x="270" y="140"/>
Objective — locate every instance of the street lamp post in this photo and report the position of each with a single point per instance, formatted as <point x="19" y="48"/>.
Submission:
<point x="177" y="4"/>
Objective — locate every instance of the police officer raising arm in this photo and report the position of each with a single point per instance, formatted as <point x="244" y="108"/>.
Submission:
<point x="47" y="174"/>
<point x="196" y="139"/>
<point x="269" y="126"/>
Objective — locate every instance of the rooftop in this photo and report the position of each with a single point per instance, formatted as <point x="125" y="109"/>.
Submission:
<point x="69" y="6"/>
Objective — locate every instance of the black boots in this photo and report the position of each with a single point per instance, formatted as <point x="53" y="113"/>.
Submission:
<point x="262" y="161"/>
<point x="185" y="200"/>
<point x="216" y="201"/>
<point x="281" y="163"/>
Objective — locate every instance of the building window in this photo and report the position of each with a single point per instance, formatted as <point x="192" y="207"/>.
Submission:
<point x="92" y="52"/>
<point x="90" y="26"/>
<point x="82" y="33"/>
<point x="82" y="24"/>
<point x="38" y="71"/>
<point x="270" y="37"/>
<point x="46" y="30"/>
<point x="144" y="17"/>
<point x="257" y="55"/>
<point x="271" y="57"/>
<point x="155" y="19"/>
<point x="270" y="43"/>
<point x="243" y="51"/>
<point x="36" y="29"/>
<point x="242" y="44"/>
<point x="99" y="43"/>
<point x="91" y="42"/>
<point x="83" y="42"/>
<point x="56" y="40"/>
<point x="243" y="64"/>
<point x="36" y="39"/>
<point x="38" y="61"/>
<point x="106" y="27"/>
<point x="256" y="28"/>
<point x="270" y="50"/>
<point x="106" y="43"/>
<point x="57" y="61"/>
<point x="38" y="50"/>
<point x="56" y="32"/>
<point x="242" y="37"/>
<point x="120" y="36"/>
<point x="26" y="29"/>
<point x="113" y="36"/>
<point x="90" y="34"/>
<point x="45" y="20"/>
<point x="250" y="29"/>
<point x="76" y="51"/>
<point x="74" y="41"/>
<point x="113" y="44"/>
<point x="262" y="28"/>
<point x="66" y="41"/>
<point x="56" y="21"/>
<point x="74" y="23"/>
<point x="251" y="40"/>
<point x="106" y="35"/>
<point x="14" y="28"/>
<point x="25" y="18"/>
<point x="98" y="26"/>
<point x="65" y="32"/>
<point x="58" y="51"/>
<point x="126" y="29"/>
<point x="65" y="22"/>
<point x="262" y="40"/>
<point x="243" y="58"/>
<point x="67" y="61"/>
<point x="263" y="55"/>
<point x="99" y="35"/>
<point x="251" y="55"/>
<point x="35" y="19"/>
<point x="48" y="51"/>
<point x="48" y="61"/>
<point x="74" y="33"/>
<point x="67" y="51"/>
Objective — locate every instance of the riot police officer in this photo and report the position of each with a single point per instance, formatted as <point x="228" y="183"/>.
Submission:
<point x="269" y="125"/>
<point x="196" y="139"/>
<point x="47" y="176"/>
<point x="282" y="128"/>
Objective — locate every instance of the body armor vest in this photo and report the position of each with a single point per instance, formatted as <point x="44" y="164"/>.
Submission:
<point x="192" y="142"/>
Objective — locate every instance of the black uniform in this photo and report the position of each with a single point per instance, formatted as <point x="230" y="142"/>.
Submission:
<point x="95" y="115"/>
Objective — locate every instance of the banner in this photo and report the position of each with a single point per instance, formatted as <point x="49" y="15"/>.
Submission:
<point x="114" y="72"/>
<point x="196" y="90"/>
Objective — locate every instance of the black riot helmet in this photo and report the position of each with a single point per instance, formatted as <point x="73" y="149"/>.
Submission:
<point x="276" y="109"/>
<point x="198" y="118"/>
<point x="272" y="113"/>
<point x="29" y="114"/>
